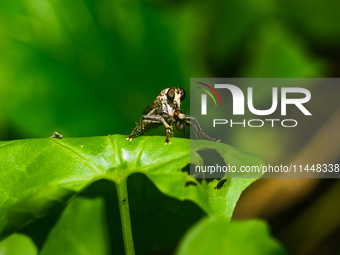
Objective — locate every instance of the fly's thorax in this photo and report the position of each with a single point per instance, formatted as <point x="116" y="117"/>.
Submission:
<point x="163" y="104"/>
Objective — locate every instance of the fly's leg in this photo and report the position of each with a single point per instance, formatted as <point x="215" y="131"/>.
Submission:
<point x="198" y="129"/>
<point x="141" y="128"/>
<point x="167" y="126"/>
<point x="197" y="133"/>
<point x="167" y="135"/>
<point x="134" y="132"/>
<point x="150" y="119"/>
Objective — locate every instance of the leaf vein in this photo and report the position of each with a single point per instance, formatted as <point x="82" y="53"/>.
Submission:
<point x="140" y="151"/>
<point x="97" y="170"/>
<point x="9" y="143"/>
<point x="115" y="150"/>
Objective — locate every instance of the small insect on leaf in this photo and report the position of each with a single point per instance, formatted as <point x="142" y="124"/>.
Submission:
<point x="166" y="110"/>
<point x="57" y="135"/>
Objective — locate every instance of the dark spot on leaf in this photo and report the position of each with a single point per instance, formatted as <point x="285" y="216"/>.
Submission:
<point x="190" y="183"/>
<point x="212" y="158"/>
<point x="220" y="184"/>
<point x="186" y="169"/>
<point x="199" y="178"/>
<point x="123" y="199"/>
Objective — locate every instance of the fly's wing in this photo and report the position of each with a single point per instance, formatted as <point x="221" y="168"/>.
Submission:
<point x="150" y="107"/>
<point x="155" y="104"/>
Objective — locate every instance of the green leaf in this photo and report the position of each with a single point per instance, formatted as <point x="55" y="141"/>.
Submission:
<point x="215" y="235"/>
<point x="40" y="175"/>
<point x="81" y="230"/>
<point x="18" y="244"/>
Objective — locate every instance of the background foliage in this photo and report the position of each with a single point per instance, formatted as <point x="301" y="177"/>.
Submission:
<point x="86" y="68"/>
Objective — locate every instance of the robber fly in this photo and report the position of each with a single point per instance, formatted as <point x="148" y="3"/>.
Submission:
<point x="166" y="110"/>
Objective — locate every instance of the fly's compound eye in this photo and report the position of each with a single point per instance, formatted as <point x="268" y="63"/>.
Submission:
<point x="171" y="94"/>
<point x="183" y="94"/>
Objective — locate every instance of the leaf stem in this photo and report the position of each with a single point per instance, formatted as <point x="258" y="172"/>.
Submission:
<point x="124" y="209"/>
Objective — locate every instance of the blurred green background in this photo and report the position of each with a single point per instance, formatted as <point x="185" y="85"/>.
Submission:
<point x="88" y="68"/>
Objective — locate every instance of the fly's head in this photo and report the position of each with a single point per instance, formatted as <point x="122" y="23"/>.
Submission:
<point x="171" y="99"/>
<point x="175" y="96"/>
<point x="167" y="102"/>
